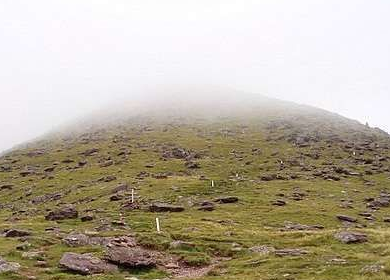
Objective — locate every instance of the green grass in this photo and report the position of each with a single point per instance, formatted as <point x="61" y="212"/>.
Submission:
<point x="251" y="222"/>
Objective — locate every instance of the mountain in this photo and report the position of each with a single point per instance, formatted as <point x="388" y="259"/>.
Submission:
<point x="243" y="186"/>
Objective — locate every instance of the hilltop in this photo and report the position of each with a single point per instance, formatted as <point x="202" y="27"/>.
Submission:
<point x="244" y="187"/>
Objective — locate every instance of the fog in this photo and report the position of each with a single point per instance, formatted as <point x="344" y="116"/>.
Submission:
<point x="61" y="60"/>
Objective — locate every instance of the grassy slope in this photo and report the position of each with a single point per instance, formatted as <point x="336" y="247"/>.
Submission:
<point x="251" y="222"/>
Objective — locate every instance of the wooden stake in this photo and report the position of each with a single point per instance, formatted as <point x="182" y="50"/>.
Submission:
<point x="158" y="225"/>
<point x="132" y="195"/>
<point x="212" y="183"/>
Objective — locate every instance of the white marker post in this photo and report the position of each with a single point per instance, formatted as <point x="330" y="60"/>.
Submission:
<point x="132" y="195"/>
<point x="158" y="225"/>
<point x="212" y="183"/>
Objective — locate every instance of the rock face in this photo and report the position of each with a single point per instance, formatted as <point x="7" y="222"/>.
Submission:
<point x="130" y="257"/>
<point x="163" y="207"/>
<point x="348" y="237"/>
<point x="8" y="266"/>
<point x="85" y="264"/>
<point x="67" y="212"/>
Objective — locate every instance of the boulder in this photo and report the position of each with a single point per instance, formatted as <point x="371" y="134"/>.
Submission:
<point x="134" y="257"/>
<point x="207" y="206"/>
<point x="67" y="212"/>
<point x="226" y="199"/>
<point x="345" y="218"/>
<point x="85" y="264"/>
<point x="164" y="207"/>
<point x="16" y="233"/>
<point x="348" y="237"/>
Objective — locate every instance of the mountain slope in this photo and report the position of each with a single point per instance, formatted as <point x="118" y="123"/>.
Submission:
<point x="256" y="189"/>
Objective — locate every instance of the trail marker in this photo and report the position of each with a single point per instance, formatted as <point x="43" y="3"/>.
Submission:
<point x="212" y="183"/>
<point x="132" y="195"/>
<point x="158" y="225"/>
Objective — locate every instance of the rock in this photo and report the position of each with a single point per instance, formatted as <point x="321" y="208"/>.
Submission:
<point x="263" y="249"/>
<point x="85" y="264"/>
<point x="227" y="199"/>
<point x="129" y="205"/>
<point x="6" y="187"/>
<point x="90" y="152"/>
<point x="372" y="269"/>
<point x="192" y="165"/>
<point x="379" y="202"/>
<point x="345" y="218"/>
<point x="290" y="252"/>
<point x="76" y="240"/>
<point x="107" y="179"/>
<point x="24" y="246"/>
<point x="67" y="212"/>
<point x="79" y="240"/>
<point x="8" y="266"/>
<point x="292" y="226"/>
<point x="348" y="237"/>
<point x="116" y="197"/>
<point x="207" y="206"/>
<point x="279" y="203"/>
<point x="87" y="218"/>
<point x="106" y="163"/>
<point x="37" y="255"/>
<point x="49" y="169"/>
<point x="46" y="198"/>
<point x="181" y="245"/>
<point x="386" y="219"/>
<point x="163" y="207"/>
<point x="130" y="257"/>
<point x="16" y="233"/>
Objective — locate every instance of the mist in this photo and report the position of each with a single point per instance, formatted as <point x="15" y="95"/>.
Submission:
<point x="62" y="60"/>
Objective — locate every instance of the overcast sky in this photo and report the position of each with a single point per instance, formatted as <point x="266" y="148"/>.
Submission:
<point x="62" y="59"/>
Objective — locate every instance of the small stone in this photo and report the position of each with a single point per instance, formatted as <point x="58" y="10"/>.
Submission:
<point x="348" y="237"/>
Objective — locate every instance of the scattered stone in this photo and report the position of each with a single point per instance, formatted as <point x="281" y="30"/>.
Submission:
<point x="67" y="212"/>
<point x="87" y="218"/>
<point x="16" y="233"/>
<point x="207" y="206"/>
<point x="292" y="226"/>
<point x="192" y="165"/>
<point x="8" y="266"/>
<point x="290" y="252"/>
<point x="116" y="197"/>
<point x="348" y="237"/>
<point x="106" y="163"/>
<point x="372" y="269"/>
<point x="345" y="218"/>
<point x="85" y="264"/>
<point x="129" y="205"/>
<point x="34" y="255"/>
<point x="24" y="246"/>
<point x="182" y="245"/>
<point x="107" y="179"/>
<point x="279" y="203"/>
<point x="163" y="207"/>
<point x="130" y="257"/>
<point x="263" y="249"/>
<point x="226" y="199"/>
<point x="90" y="152"/>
